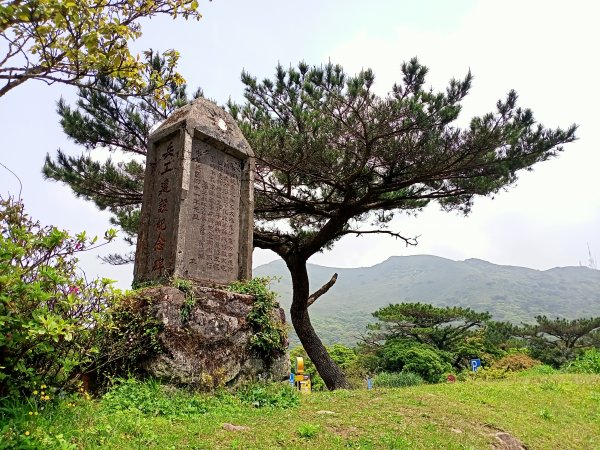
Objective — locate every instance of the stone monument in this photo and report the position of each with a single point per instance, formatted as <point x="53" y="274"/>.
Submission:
<point x="196" y="221"/>
<point x="197" y="224"/>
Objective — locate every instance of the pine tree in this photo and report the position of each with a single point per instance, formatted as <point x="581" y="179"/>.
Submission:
<point x="331" y="154"/>
<point x="558" y="341"/>
<point x="120" y="124"/>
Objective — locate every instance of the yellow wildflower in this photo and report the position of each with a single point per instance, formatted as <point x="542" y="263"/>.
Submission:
<point x="35" y="392"/>
<point x="27" y="433"/>
<point x="43" y="386"/>
<point x="31" y="413"/>
<point x="35" y="413"/>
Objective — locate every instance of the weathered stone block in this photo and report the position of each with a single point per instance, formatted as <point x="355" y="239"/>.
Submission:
<point x="196" y="221"/>
<point x="207" y="343"/>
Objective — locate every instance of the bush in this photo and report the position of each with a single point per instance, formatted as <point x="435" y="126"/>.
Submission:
<point x="516" y="362"/>
<point x="587" y="362"/>
<point x="49" y="314"/>
<point x="422" y="359"/>
<point x="485" y="373"/>
<point x="129" y="334"/>
<point x="397" y="379"/>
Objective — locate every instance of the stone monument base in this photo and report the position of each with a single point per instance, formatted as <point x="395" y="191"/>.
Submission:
<point x="205" y="339"/>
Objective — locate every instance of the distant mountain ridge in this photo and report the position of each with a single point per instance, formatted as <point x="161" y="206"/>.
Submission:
<point x="512" y="293"/>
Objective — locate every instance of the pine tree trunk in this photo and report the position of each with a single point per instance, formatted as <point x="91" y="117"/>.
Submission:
<point x="332" y="375"/>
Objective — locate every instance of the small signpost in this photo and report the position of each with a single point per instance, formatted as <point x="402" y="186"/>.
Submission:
<point x="475" y="364"/>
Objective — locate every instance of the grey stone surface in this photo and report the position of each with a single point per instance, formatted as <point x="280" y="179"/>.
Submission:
<point x="208" y="344"/>
<point x="197" y="209"/>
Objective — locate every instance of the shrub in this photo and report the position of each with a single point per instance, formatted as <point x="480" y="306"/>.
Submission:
<point x="587" y="362"/>
<point x="516" y="362"/>
<point x="129" y="334"/>
<point x="485" y="373"/>
<point x="397" y="379"/>
<point x="270" y="336"/>
<point x="49" y="314"/>
<point x="422" y="359"/>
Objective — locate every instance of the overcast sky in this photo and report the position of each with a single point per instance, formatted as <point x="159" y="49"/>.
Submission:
<point x="546" y="50"/>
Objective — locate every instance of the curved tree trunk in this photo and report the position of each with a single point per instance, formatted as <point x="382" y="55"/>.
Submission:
<point x="332" y="375"/>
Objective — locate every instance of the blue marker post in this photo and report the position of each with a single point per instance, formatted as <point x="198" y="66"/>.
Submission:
<point x="475" y="364"/>
<point x="292" y="379"/>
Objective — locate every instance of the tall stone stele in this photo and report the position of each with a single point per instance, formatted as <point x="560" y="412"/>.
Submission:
<point x="196" y="220"/>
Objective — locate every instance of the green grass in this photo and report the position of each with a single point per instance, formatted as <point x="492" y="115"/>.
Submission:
<point x="543" y="411"/>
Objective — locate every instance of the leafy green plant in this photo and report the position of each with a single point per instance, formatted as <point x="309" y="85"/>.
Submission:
<point x="397" y="379"/>
<point x="187" y="287"/>
<point x="152" y="398"/>
<point x="49" y="313"/>
<point x="308" y="431"/>
<point x="270" y="336"/>
<point x="128" y="336"/>
<point x="587" y="362"/>
<point x="270" y="395"/>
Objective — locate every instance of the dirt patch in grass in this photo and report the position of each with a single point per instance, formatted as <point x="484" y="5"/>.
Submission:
<point x="344" y="431"/>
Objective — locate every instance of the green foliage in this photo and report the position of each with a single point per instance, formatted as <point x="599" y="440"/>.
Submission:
<point x="587" y="362"/>
<point x="308" y="431"/>
<point x="152" y="398"/>
<point x="128" y="336"/>
<point x="541" y="369"/>
<point x="485" y="373"/>
<point x="441" y="327"/>
<point x="396" y="379"/>
<point x="269" y="335"/>
<point x="73" y="41"/>
<point x="116" y="122"/>
<point x="268" y="395"/>
<point x="187" y="287"/>
<point x="50" y="315"/>
<point x="422" y="359"/>
<point x="559" y="341"/>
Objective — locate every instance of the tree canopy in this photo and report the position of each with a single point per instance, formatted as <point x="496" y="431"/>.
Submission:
<point x="331" y="154"/>
<point x="557" y="341"/>
<point x="73" y="41"/>
<point x="441" y="327"/>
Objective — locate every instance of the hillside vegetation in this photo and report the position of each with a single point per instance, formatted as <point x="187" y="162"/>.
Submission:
<point x="542" y="412"/>
<point x="515" y="294"/>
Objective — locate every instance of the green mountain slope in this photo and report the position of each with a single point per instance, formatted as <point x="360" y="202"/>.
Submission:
<point x="516" y="294"/>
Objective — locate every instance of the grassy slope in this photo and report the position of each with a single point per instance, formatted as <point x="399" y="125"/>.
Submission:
<point x="544" y="412"/>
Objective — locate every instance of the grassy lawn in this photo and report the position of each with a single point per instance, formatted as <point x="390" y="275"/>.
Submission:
<point x="543" y="412"/>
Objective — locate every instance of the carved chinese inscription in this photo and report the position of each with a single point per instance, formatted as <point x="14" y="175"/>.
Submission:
<point x="160" y="231"/>
<point x="214" y="217"/>
<point x="196" y="219"/>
